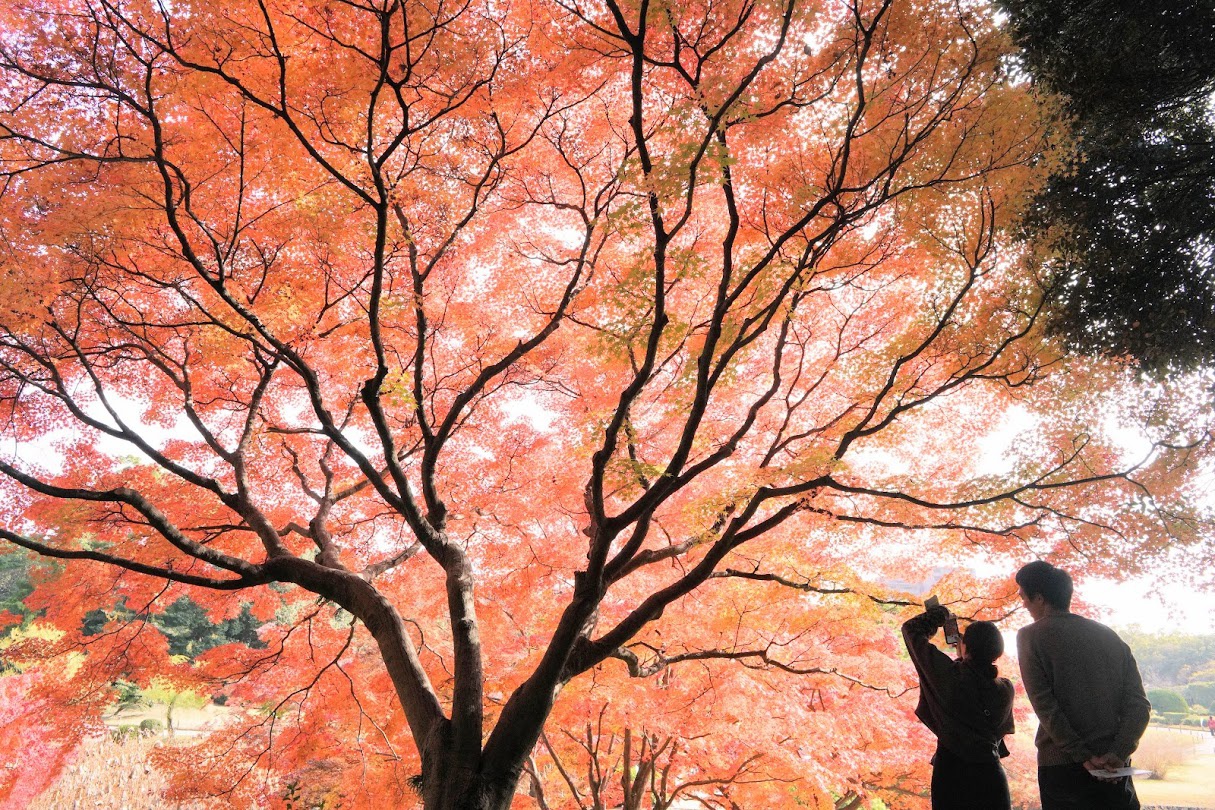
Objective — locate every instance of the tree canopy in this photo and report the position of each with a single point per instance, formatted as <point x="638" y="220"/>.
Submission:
<point x="1130" y="220"/>
<point x="553" y="383"/>
<point x="1171" y="659"/>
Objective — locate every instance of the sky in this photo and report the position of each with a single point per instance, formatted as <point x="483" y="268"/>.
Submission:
<point x="1155" y="609"/>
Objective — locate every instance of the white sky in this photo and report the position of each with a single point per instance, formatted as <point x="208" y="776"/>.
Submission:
<point x="1154" y="608"/>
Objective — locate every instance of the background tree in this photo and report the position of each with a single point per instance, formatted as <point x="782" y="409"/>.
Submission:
<point x="14" y="588"/>
<point x="488" y="350"/>
<point x="1170" y="659"/>
<point x="1130" y="221"/>
<point x="1200" y="695"/>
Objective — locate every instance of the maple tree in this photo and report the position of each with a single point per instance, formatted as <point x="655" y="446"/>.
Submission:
<point x="489" y="351"/>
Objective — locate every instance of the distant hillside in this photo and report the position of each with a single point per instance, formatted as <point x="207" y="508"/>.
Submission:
<point x="1176" y="663"/>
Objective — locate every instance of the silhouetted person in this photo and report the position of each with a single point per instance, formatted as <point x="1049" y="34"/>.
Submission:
<point x="1085" y="688"/>
<point x="968" y="707"/>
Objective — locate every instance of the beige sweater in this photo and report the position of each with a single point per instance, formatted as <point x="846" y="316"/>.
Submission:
<point x="1085" y="688"/>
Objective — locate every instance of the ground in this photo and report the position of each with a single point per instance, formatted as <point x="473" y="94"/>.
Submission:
<point x="1189" y="785"/>
<point x="109" y="775"/>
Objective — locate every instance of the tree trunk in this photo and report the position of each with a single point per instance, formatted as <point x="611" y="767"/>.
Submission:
<point x="451" y="790"/>
<point x="452" y="771"/>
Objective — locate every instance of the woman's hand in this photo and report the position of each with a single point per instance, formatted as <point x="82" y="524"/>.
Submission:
<point x="938" y="614"/>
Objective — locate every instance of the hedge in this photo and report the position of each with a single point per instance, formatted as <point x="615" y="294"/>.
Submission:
<point x="1167" y="701"/>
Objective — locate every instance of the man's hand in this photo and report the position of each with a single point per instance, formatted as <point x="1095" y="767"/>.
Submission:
<point x="1105" y="762"/>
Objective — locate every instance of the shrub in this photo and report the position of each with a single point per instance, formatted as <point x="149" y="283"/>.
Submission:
<point x="1166" y="700"/>
<point x="1160" y="750"/>
<point x="123" y="733"/>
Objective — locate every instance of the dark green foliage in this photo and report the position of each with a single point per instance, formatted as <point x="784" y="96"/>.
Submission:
<point x="15" y="581"/>
<point x="129" y="696"/>
<point x="186" y="625"/>
<point x="1166" y="701"/>
<point x="14" y="587"/>
<point x="242" y="629"/>
<point x="1201" y="694"/>
<point x="94" y="622"/>
<point x="1132" y="226"/>
<point x="191" y="632"/>
<point x="1118" y="56"/>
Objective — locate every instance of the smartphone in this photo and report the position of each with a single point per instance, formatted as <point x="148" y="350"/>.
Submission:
<point x="952" y="636"/>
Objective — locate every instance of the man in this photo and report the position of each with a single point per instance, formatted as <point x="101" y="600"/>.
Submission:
<point x="1085" y="688"/>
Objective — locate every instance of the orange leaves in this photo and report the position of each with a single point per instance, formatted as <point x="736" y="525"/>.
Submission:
<point x="672" y="345"/>
<point x="34" y="749"/>
<point x="23" y="298"/>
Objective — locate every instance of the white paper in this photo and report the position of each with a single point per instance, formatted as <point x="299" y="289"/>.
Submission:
<point x="1118" y="773"/>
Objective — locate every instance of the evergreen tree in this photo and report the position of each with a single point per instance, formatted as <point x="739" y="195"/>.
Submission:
<point x="15" y="582"/>
<point x="1131" y="222"/>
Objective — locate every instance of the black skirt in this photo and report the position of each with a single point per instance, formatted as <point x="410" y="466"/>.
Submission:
<point x="961" y="785"/>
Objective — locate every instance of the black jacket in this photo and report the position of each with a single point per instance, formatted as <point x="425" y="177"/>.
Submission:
<point x="969" y="712"/>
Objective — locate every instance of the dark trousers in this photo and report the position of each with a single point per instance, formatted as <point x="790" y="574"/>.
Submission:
<point x="961" y="785"/>
<point x="1070" y="787"/>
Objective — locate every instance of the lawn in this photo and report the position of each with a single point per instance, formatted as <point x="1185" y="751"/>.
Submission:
<point x="1187" y="784"/>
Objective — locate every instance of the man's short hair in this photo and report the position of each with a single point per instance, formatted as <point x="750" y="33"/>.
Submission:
<point x="1052" y="584"/>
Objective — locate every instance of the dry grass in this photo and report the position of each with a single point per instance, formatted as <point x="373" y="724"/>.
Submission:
<point x="108" y="774"/>
<point x="1161" y="750"/>
<point x="1189" y="783"/>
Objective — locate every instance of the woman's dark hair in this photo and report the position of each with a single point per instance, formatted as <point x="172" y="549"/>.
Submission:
<point x="1053" y="584"/>
<point x="984" y="645"/>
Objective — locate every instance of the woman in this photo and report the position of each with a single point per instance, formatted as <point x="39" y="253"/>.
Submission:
<point x="968" y="707"/>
